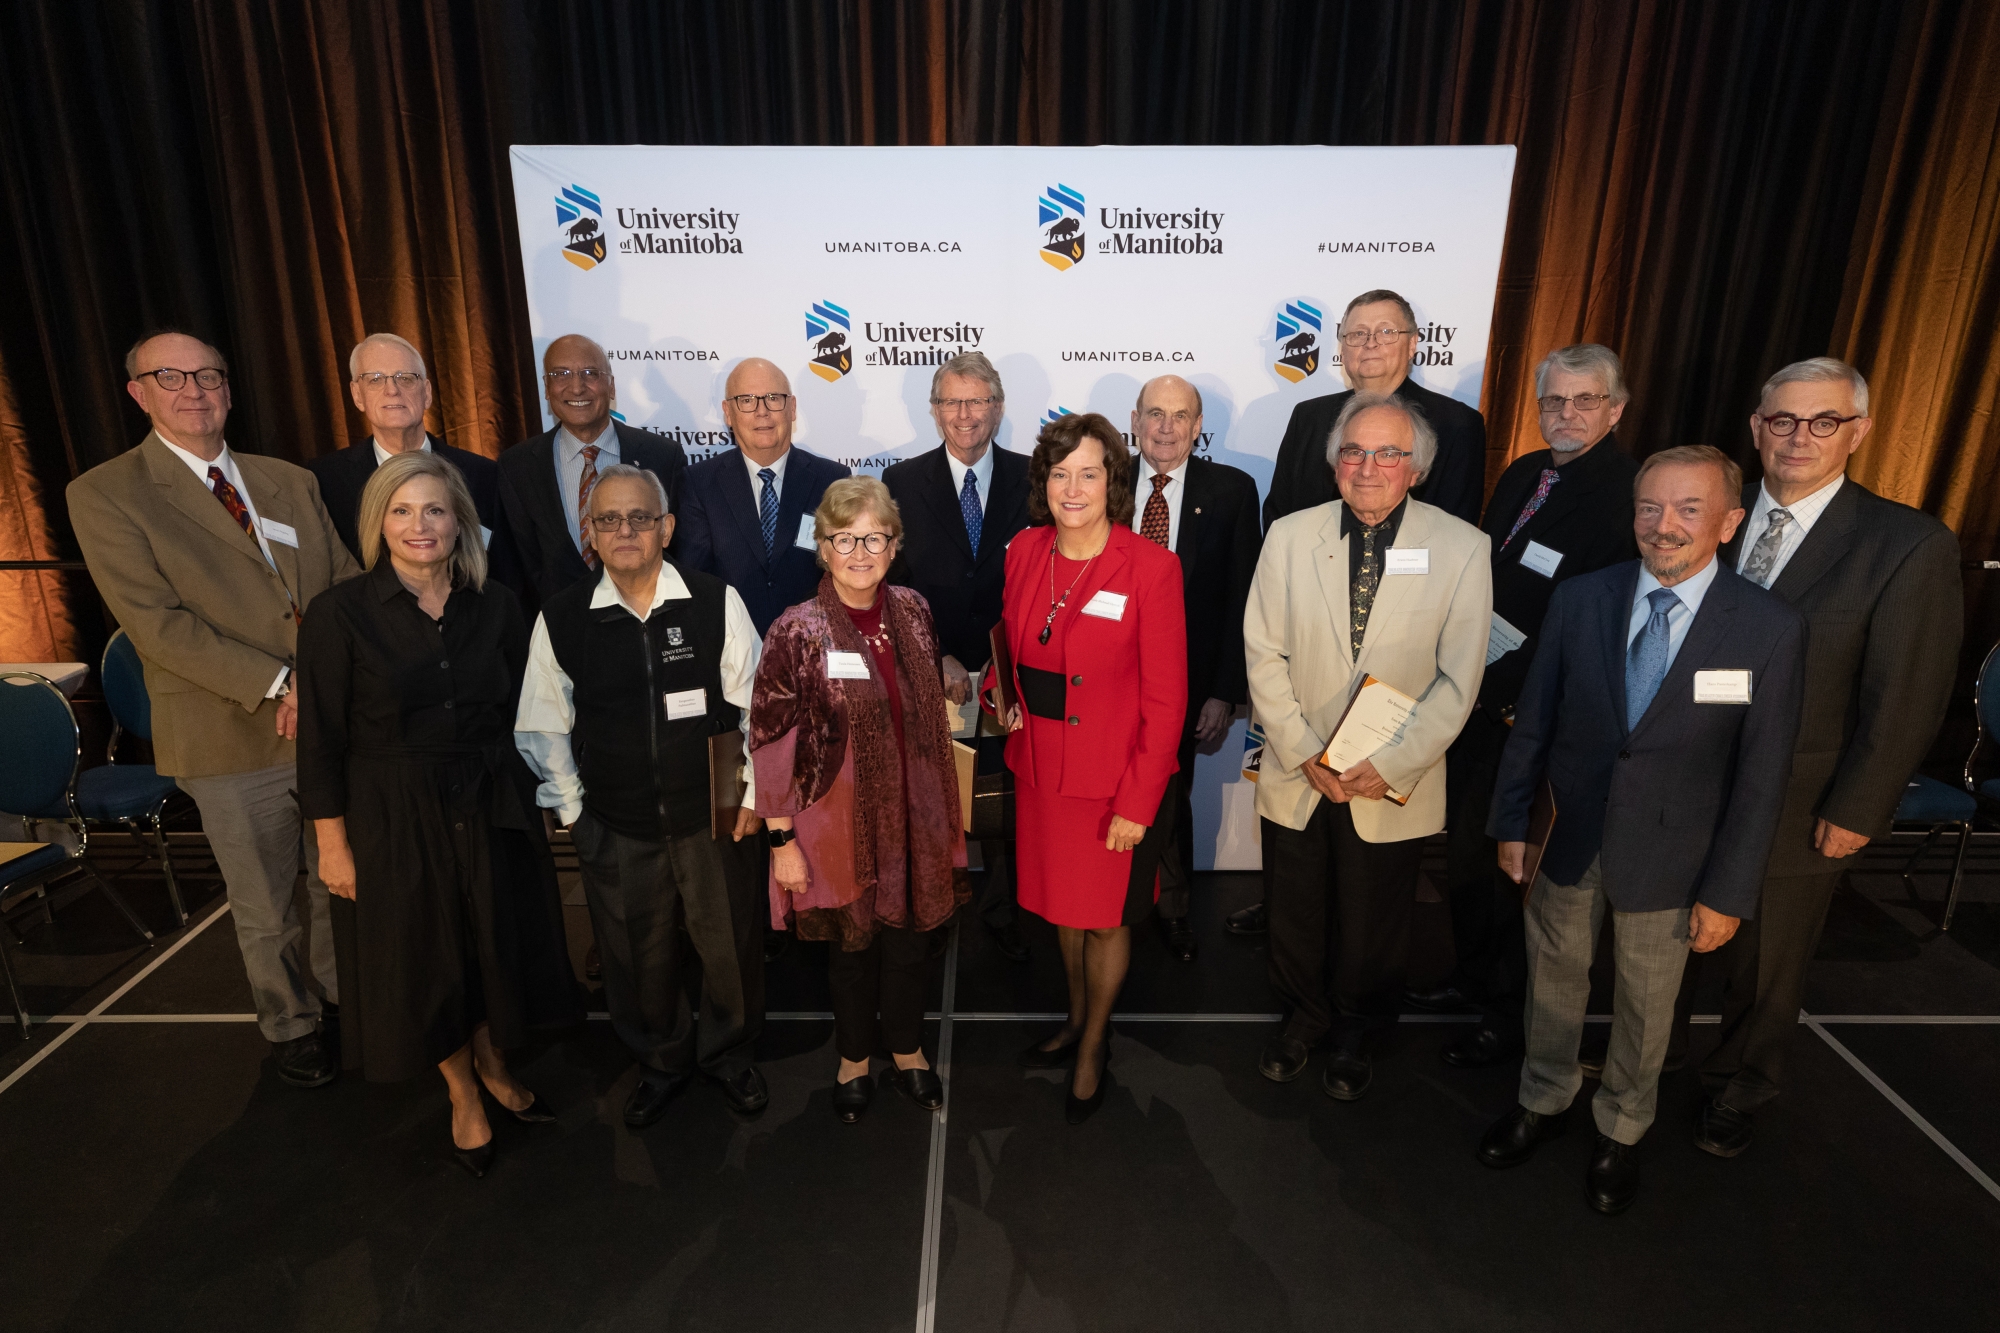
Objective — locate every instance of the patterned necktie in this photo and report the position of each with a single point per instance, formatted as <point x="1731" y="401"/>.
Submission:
<point x="1549" y="478"/>
<point x="584" y="485"/>
<point x="1646" y="659"/>
<point x="231" y="501"/>
<point x="968" y="506"/>
<point x="767" y="509"/>
<point x="1366" y="580"/>
<point x="1155" y="527"/>
<point x="1764" y="555"/>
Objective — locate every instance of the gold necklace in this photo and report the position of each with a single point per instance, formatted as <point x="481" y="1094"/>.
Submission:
<point x="1057" y="604"/>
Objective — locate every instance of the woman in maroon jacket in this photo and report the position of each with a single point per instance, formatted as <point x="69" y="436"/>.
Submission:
<point x="1098" y="635"/>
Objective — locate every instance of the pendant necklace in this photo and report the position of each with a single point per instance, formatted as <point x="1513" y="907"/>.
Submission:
<point x="1057" y="604"/>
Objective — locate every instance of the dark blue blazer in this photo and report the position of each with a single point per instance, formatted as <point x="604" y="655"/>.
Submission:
<point x="1682" y="808"/>
<point x="963" y="586"/>
<point x="719" y="532"/>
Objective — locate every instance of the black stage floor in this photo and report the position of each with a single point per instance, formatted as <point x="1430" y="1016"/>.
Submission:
<point x="157" y="1175"/>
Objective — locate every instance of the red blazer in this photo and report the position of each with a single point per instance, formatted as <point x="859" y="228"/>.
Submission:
<point x="1127" y="678"/>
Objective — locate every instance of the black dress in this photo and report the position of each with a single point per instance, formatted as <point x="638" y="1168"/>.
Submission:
<point x="406" y="728"/>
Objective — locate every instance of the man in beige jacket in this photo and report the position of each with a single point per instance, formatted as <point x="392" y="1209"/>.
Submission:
<point x="1372" y="584"/>
<point x="208" y="558"/>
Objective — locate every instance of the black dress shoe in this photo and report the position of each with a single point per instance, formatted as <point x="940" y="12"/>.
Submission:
<point x="850" y="1099"/>
<point x="1283" y="1060"/>
<point x="536" y="1112"/>
<point x="303" y="1062"/>
<point x="1077" y="1109"/>
<point x="1347" y="1076"/>
<point x="649" y="1099"/>
<point x="1612" y="1181"/>
<point x="1443" y="1000"/>
<point x="774" y="944"/>
<point x="1725" y="1131"/>
<point x="1179" y="938"/>
<point x="1478" y="1049"/>
<point x="1513" y="1137"/>
<point x="1034" y="1057"/>
<point x="1007" y="939"/>
<point x="593" y="964"/>
<point x="921" y="1086"/>
<point x="745" y="1092"/>
<point x="1591" y="1052"/>
<point x="1252" y="920"/>
<point x="478" y="1160"/>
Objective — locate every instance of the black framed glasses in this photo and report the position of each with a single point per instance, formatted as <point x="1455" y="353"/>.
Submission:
<point x="1387" y="456"/>
<point x="406" y="380"/>
<point x="749" y="402"/>
<point x="1362" y="337"/>
<point x="208" y="377"/>
<point x="640" y="520"/>
<point x="1824" y="425"/>
<point x="1583" y="402"/>
<point x="874" y="543"/>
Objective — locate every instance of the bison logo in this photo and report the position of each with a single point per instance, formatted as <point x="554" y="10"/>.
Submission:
<point x="827" y="327"/>
<point x="1062" y="215"/>
<point x="580" y="215"/>
<point x="1297" y="336"/>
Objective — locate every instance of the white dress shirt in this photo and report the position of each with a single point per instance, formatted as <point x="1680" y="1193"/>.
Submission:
<point x="547" y="714"/>
<point x="1680" y="616"/>
<point x="234" y="476"/>
<point x="1176" y="485"/>
<point x="383" y="455"/>
<point x="757" y="482"/>
<point x="569" y="471"/>
<point x="982" y="475"/>
<point x="1804" y="514"/>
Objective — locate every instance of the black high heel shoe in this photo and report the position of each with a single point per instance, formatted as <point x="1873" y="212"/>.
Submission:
<point x="478" y="1160"/>
<point x="1034" y="1057"/>
<point x="534" y="1113"/>
<point x="1077" y="1109"/>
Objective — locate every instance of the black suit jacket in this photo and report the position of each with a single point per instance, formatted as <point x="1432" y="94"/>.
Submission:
<point x="1302" y="478"/>
<point x="937" y="559"/>
<point x="1682" y="808"/>
<point x="720" y="532"/>
<point x="1586" y="519"/>
<point x="542" y="533"/>
<point x="1219" y="541"/>
<point x="1878" y="584"/>
<point x="344" y="473"/>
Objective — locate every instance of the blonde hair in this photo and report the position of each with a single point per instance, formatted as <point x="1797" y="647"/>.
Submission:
<point x="848" y="499"/>
<point x="1697" y="455"/>
<point x="468" y="552"/>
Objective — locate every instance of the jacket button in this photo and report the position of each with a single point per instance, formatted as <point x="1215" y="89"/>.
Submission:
<point x="1076" y="680"/>
<point x="1072" y="722"/>
<point x="1624" y="754"/>
<point x="444" y="666"/>
<point x="447" y="703"/>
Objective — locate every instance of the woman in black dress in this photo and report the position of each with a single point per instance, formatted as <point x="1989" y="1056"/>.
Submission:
<point x="447" y="923"/>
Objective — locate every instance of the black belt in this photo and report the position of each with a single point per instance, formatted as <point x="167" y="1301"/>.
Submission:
<point x="1043" y="693"/>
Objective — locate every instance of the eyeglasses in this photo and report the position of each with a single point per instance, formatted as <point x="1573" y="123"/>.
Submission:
<point x="874" y="543"/>
<point x="1362" y="337"/>
<point x="953" y="406"/>
<point x="1387" y="456"/>
<point x="1784" y="423"/>
<point x="405" y="380"/>
<point x="751" y="402"/>
<point x="589" y="374"/>
<point x="1583" y="402"/>
<point x="640" y="520"/>
<point x="208" y="377"/>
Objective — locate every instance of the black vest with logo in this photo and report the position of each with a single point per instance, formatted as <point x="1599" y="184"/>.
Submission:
<point x="644" y="774"/>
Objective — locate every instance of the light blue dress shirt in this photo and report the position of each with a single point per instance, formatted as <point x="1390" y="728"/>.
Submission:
<point x="569" y="471"/>
<point x="1690" y="591"/>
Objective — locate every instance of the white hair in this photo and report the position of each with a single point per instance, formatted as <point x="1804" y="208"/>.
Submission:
<point x="626" y="472"/>
<point x="1820" y="370"/>
<point x="1585" y="359"/>
<point x="1423" y="442"/>
<point x="382" y="340"/>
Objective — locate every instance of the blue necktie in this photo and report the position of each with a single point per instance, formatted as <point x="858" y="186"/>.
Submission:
<point x="968" y="505"/>
<point x="767" y="509"/>
<point x="1646" y="660"/>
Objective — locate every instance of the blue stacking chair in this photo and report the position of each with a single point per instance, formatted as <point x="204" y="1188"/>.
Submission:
<point x="1943" y="807"/>
<point x="39" y="749"/>
<point x="132" y="797"/>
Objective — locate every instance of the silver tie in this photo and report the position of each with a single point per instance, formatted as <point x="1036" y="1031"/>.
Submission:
<point x="1764" y="555"/>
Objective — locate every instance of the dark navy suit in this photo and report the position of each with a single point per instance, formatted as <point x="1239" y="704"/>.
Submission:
<point x="720" y="532"/>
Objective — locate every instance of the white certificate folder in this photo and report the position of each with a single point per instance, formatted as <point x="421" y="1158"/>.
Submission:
<point x="1374" y="717"/>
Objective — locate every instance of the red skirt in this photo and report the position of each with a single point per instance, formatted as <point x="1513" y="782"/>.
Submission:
<point x="1063" y="871"/>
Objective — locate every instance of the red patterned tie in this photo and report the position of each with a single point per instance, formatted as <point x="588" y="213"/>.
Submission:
<point x="1154" y="526"/>
<point x="584" y="485"/>
<point x="1549" y="478"/>
<point x="231" y="501"/>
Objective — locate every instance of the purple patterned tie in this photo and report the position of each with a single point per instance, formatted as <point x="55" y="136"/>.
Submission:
<point x="1549" y="478"/>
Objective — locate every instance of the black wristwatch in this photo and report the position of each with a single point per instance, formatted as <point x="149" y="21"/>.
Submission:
<point x="778" y="837"/>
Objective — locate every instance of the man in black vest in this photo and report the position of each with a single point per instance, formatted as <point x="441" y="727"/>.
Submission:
<point x="628" y="677"/>
<point x="962" y="503"/>
<point x="1556" y="513"/>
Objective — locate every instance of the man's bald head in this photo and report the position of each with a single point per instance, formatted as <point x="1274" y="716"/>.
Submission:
<point x="757" y="403"/>
<point x="187" y="414"/>
<point x="1167" y="421"/>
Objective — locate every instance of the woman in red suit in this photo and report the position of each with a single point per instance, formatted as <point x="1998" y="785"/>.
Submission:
<point x="1098" y="634"/>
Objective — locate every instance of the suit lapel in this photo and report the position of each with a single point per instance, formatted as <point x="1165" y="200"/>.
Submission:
<point x="935" y="488"/>
<point x="546" y="496"/>
<point x="792" y="506"/>
<point x="1005" y="499"/>
<point x="1330" y="563"/>
<point x="1615" y="611"/>
<point x="1824" y="545"/>
<point x="1195" y="499"/>
<point x="1711" y="623"/>
<point x="270" y="501"/>
<point x="741" y="502"/>
<point x="187" y="494"/>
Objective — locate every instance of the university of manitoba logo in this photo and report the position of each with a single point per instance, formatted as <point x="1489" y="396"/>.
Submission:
<point x="1055" y="414"/>
<point x="1298" y="340"/>
<point x="580" y="216"/>
<point x="674" y="636"/>
<point x="827" y="330"/>
<point x="1061" y="209"/>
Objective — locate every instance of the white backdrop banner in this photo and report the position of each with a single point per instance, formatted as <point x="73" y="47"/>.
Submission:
<point x="1081" y="272"/>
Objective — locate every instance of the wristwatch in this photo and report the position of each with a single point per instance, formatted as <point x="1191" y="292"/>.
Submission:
<point x="778" y="837"/>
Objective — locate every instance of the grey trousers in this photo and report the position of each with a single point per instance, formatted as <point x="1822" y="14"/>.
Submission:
<point x="1651" y="951"/>
<point x="257" y="835"/>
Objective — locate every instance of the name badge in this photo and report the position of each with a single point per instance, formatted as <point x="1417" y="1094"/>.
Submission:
<point x="845" y="666"/>
<point x="1408" y="560"/>
<point x="686" y="703"/>
<point x="1106" y="606"/>
<point x="1722" y="687"/>
<point x="1541" y="559"/>
<point x="1502" y="638"/>
<point x="805" y="541"/>
<point x="485" y="536"/>
<point x="282" y="533"/>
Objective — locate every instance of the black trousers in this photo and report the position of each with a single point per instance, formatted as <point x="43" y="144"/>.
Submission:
<point x="995" y="902"/>
<point x="1486" y="924"/>
<point x="1340" y="924"/>
<point x="652" y="905"/>
<point x="890" y="977"/>
<point x="1763" y="971"/>
<point x="1177" y="860"/>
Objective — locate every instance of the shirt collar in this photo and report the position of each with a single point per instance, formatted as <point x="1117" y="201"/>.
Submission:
<point x="383" y="455"/>
<point x="1349" y="524"/>
<point x="1177" y="474"/>
<point x="1804" y="512"/>
<point x="196" y="463"/>
<point x="568" y="446"/>
<point x="669" y="586"/>
<point x="756" y="467"/>
<point x="1691" y="591"/>
<point x="983" y="469"/>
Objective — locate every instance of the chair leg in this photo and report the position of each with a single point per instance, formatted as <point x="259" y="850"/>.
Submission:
<point x="122" y="906"/>
<point x="1957" y="873"/>
<point x="14" y="992"/>
<point x="167" y="863"/>
<point x="1910" y="870"/>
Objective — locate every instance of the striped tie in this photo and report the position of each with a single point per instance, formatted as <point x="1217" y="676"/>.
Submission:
<point x="586" y="483"/>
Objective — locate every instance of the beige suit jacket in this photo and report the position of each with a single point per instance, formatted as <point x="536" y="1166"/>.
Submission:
<point x="211" y="618"/>
<point x="1426" y="636"/>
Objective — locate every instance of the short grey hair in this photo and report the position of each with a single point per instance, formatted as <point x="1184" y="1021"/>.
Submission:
<point x="1820" y="370"/>
<point x="383" y="340"/>
<point x="1592" y="359"/>
<point x="626" y="472"/>
<point x="1424" y="440"/>
<point x="973" y="366"/>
